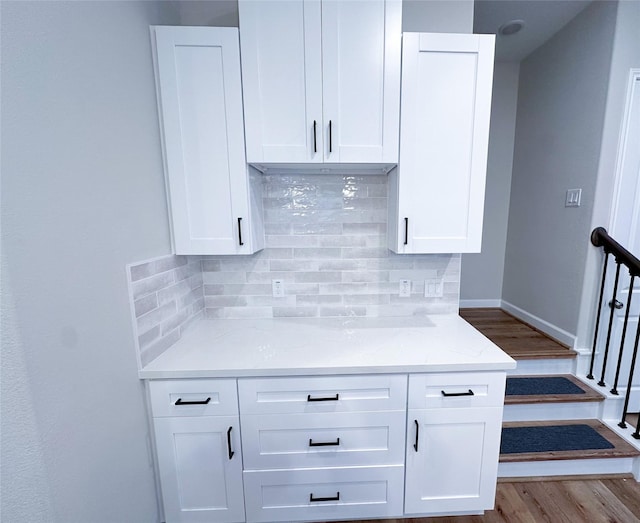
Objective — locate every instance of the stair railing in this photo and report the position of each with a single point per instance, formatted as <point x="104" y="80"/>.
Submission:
<point x="600" y="238"/>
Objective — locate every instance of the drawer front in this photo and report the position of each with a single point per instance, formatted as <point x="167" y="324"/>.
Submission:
<point x="324" y="494"/>
<point x="193" y="398"/>
<point x="456" y="389"/>
<point x="323" y="440"/>
<point x="322" y="394"/>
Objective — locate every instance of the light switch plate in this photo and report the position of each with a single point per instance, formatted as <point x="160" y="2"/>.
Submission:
<point x="573" y="198"/>
<point x="433" y="288"/>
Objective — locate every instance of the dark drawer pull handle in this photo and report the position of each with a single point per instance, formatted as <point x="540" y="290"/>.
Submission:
<point x="315" y="143"/>
<point x="452" y="394"/>
<point x="330" y="137"/>
<point x="324" y="443"/>
<point x="330" y="398"/>
<point x="314" y="500"/>
<point x="231" y="452"/>
<point x="415" y="445"/>
<point x="406" y="231"/>
<point x="203" y="402"/>
<point x="240" y="231"/>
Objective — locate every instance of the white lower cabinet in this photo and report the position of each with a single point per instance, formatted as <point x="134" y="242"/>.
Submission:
<point x="452" y="460"/>
<point x="200" y="464"/>
<point x="324" y="494"/>
<point x="327" y="448"/>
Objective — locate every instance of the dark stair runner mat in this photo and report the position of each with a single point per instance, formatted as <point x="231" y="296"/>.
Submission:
<point x="541" y="385"/>
<point x="518" y="440"/>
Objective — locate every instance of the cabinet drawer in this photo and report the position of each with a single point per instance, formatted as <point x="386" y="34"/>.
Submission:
<point x="193" y="398"/>
<point x="456" y="389"/>
<point x="323" y="440"/>
<point x="322" y="394"/>
<point x="324" y="494"/>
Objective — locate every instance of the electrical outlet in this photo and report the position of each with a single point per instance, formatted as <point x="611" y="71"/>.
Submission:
<point x="277" y="287"/>
<point x="405" y="288"/>
<point x="433" y="288"/>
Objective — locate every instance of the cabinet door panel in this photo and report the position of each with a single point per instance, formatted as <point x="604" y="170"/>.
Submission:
<point x="201" y="104"/>
<point x="361" y="79"/>
<point x="446" y="102"/>
<point x="454" y="468"/>
<point x="282" y="79"/>
<point x="199" y="481"/>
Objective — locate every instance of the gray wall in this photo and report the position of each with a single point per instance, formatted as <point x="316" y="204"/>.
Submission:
<point x="561" y="107"/>
<point x="82" y="195"/>
<point x="481" y="278"/>
<point x="626" y="55"/>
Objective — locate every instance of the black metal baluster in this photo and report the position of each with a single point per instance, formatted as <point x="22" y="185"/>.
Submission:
<point x="622" y="423"/>
<point x="614" y="390"/>
<point x="613" y="310"/>
<point x="595" y="336"/>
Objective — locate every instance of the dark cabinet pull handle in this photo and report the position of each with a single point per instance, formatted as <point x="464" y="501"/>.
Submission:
<point x="330" y="137"/>
<point x="203" y="402"/>
<point x="330" y="398"/>
<point x="231" y="452"/>
<point x="315" y="143"/>
<point x="452" y="394"/>
<point x="406" y="231"/>
<point x="240" y="231"/>
<point x="324" y="443"/>
<point x="334" y="498"/>
<point x="415" y="445"/>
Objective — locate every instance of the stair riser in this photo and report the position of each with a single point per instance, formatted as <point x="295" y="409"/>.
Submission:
<point x="552" y="411"/>
<point x="579" y="467"/>
<point x="544" y="366"/>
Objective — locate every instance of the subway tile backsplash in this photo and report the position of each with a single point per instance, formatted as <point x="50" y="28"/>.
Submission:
<point x="166" y="296"/>
<point x="325" y="239"/>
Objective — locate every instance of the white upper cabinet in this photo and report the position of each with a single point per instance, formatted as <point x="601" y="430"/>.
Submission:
<point x="321" y="80"/>
<point x="200" y="106"/>
<point x="436" y="198"/>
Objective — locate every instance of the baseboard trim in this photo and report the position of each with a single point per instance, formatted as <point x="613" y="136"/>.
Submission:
<point x="480" y="304"/>
<point x="548" y="328"/>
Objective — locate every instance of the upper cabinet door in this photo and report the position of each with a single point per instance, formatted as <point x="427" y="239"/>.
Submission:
<point x="321" y="80"/>
<point x="200" y="103"/>
<point x="444" y="135"/>
<point x="282" y="80"/>
<point x="361" y="42"/>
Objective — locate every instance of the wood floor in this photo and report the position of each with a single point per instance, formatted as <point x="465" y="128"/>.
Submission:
<point x="569" y="501"/>
<point x="516" y="338"/>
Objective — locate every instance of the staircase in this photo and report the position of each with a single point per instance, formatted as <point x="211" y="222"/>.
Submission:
<point x="558" y="410"/>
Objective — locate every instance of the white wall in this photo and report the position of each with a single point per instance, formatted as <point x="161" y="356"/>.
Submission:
<point x="437" y="16"/>
<point x="481" y="279"/>
<point x="82" y="195"/>
<point x="561" y="105"/>
<point x="626" y="55"/>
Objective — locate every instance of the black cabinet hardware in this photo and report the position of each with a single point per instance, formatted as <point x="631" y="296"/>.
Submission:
<point x="452" y="394"/>
<point x="203" y="402"/>
<point x="406" y="231"/>
<point x="330" y="398"/>
<point x="330" y="137"/>
<point x="415" y="445"/>
<point x="334" y="498"/>
<point x="240" y="231"/>
<point x="315" y="143"/>
<point x="231" y="452"/>
<point x="324" y="443"/>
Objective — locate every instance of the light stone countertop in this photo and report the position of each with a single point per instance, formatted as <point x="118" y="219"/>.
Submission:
<point x="316" y="346"/>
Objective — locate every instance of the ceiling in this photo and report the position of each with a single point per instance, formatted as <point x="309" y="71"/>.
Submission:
<point x="542" y="18"/>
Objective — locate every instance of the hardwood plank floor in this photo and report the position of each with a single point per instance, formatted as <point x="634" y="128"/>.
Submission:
<point x="516" y="338"/>
<point x="572" y="501"/>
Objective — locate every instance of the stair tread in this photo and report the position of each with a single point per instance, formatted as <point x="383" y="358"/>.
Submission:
<point x="588" y="396"/>
<point x="621" y="449"/>
<point x="517" y="338"/>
